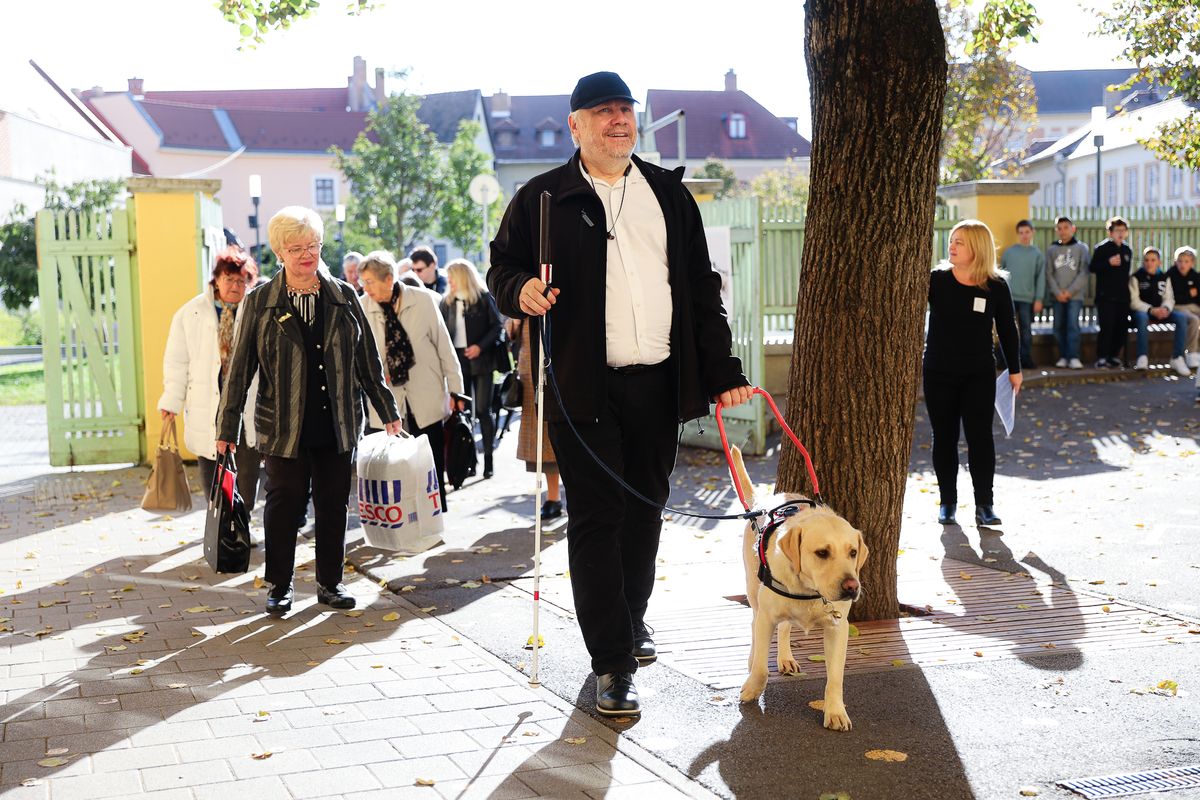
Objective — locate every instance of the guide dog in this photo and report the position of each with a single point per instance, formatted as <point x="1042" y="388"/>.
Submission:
<point x="812" y="559"/>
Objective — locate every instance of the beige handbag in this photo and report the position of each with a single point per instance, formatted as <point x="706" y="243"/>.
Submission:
<point x="167" y="487"/>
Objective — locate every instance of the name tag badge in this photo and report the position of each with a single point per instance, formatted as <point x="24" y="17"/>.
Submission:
<point x="285" y="317"/>
<point x="980" y="304"/>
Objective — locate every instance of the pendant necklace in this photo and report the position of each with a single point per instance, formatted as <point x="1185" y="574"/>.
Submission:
<point x="611" y="235"/>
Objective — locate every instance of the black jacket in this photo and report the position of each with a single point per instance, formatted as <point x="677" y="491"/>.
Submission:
<point x="700" y="339"/>
<point x="269" y="340"/>
<point x="1112" y="283"/>
<point x="483" y="325"/>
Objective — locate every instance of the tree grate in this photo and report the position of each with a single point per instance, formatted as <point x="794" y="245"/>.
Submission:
<point x="1159" y="780"/>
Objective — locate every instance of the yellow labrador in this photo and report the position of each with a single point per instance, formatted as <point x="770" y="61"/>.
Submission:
<point x="813" y="553"/>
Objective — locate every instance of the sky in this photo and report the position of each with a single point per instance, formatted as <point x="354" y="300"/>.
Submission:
<point x="518" y="47"/>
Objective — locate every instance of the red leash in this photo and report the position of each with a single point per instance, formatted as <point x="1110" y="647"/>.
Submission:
<point x="812" y="473"/>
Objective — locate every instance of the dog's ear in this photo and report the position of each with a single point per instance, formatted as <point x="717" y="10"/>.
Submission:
<point x="863" y="551"/>
<point x="789" y="545"/>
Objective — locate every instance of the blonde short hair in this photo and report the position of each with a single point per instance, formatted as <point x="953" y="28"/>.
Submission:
<point x="463" y="273"/>
<point x="378" y="264"/>
<point x="292" y="222"/>
<point x="979" y="238"/>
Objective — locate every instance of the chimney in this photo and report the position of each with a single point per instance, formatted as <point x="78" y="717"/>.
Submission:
<point x="135" y="87"/>
<point x="731" y="81"/>
<point x="358" y="85"/>
<point x="380" y="88"/>
<point x="501" y="104"/>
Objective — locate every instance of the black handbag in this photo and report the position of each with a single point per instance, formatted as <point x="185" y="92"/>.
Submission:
<point x="512" y="391"/>
<point x="227" y="523"/>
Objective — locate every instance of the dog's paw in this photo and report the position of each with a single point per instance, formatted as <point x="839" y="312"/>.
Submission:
<point x="788" y="665"/>
<point x="836" y="719"/>
<point x="753" y="688"/>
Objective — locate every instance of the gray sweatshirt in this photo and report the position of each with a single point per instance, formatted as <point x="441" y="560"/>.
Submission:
<point x="1067" y="268"/>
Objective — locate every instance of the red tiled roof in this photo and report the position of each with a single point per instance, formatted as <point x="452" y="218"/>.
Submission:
<point x="767" y="136"/>
<point x="297" y="131"/>
<point x="280" y="99"/>
<point x="185" y="125"/>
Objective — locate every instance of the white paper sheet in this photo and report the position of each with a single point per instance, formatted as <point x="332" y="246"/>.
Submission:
<point x="1006" y="402"/>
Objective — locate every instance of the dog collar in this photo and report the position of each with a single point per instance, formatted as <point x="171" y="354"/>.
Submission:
<point x="776" y="517"/>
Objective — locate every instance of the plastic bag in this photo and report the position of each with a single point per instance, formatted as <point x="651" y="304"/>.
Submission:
<point x="399" y="494"/>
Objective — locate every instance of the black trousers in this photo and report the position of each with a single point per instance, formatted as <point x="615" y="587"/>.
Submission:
<point x="288" y="482"/>
<point x="1113" y="316"/>
<point x="965" y="401"/>
<point x="248" y="463"/>
<point x="612" y="537"/>
<point x="480" y="389"/>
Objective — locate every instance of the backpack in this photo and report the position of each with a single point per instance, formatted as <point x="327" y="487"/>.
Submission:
<point x="460" y="448"/>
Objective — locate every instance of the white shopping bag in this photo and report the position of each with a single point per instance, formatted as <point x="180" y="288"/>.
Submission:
<point x="399" y="496"/>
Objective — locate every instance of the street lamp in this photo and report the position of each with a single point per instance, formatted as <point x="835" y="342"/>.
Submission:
<point x="255" y="198"/>
<point x="1099" y="115"/>
<point x="339" y="213"/>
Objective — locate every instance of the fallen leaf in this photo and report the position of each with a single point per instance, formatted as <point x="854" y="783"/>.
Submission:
<point x="408" y="588"/>
<point x="52" y="762"/>
<point x="472" y="585"/>
<point x="391" y="616"/>
<point x="1170" y="686"/>
<point x="352" y="613"/>
<point x="336" y="641"/>
<point x="541" y="642"/>
<point x="427" y="609"/>
<point x="834" y="796"/>
<point x="1029" y="791"/>
<point x="58" y="751"/>
<point x="853" y="631"/>
<point x="576" y="740"/>
<point x="817" y="659"/>
<point x="109" y="702"/>
<point x="259" y="582"/>
<point x="966" y="576"/>
<point x="116" y="648"/>
<point x="261" y="756"/>
<point x="136" y="671"/>
<point x="32" y="782"/>
<point x="886" y="755"/>
<point x="816" y="705"/>
<point x="424" y="782"/>
<point x="897" y="662"/>
<point x="979" y="654"/>
<point x="177" y="685"/>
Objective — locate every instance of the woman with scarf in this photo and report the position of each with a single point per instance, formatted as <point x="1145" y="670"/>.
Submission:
<point x="475" y="325"/>
<point x="420" y="364"/>
<point x="196" y="362"/>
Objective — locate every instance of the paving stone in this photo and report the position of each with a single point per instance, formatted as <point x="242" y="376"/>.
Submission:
<point x="92" y="787"/>
<point x="42" y="728"/>
<point x="90" y="742"/>
<point x="269" y="787"/>
<point x="397" y="707"/>
<point x="660" y="790"/>
<point x="559" y="781"/>
<point x="280" y="740"/>
<point x="449" y="721"/>
<point x="624" y="770"/>
<point x="286" y="762"/>
<point x="366" y="752"/>
<point x="343" y="695"/>
<point x="329" y="781"/>
<point x="499" y="761"/>
<point x="458" y="701"/>
<point x="194" y="774"/>
<point x="434" y="744"/>
<point x="229" y="747"/>
<point x="493" y="787"/>
<point x="478" y="680"/>
<point x="406" y="772"/>
<point x="128" y="758"/>
<point x="365" y="730"/>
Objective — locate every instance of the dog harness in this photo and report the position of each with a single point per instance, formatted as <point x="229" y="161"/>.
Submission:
<point x="776" y="517"/>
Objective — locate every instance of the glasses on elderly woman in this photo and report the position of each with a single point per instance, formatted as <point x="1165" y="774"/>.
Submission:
<point x="299" y="250"/>
<point x="232" y="279"/>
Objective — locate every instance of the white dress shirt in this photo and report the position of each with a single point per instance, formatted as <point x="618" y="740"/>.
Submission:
<point x="637" y="319"/>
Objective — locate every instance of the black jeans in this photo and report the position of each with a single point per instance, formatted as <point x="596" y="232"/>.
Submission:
<point x="612" y="537"/>
<point x="1113" y="316"/>
<point x="480" y="389"/>
<point x="952" y="401"/>
<point x="248" y="463"/>
<point x="288" y="481"/>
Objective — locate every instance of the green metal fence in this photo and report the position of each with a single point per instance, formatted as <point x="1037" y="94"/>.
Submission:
<point x="86" y="297"/>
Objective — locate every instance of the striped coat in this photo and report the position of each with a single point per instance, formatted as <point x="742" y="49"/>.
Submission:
<point x="268" y="340"/>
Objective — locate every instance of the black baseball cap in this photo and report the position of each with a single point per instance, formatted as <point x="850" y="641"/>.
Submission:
<point x="597" y="88"/>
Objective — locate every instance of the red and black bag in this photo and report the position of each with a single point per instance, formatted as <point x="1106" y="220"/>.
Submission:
<point x="227" y="523"/>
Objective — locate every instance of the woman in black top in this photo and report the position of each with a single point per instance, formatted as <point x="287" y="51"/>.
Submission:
<point x="966" y="297"/>
<point x="474" y="324"/>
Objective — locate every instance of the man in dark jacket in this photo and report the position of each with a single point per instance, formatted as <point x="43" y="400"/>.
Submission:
<point x="1112" y="263"/>
<point x="639" y="344"/>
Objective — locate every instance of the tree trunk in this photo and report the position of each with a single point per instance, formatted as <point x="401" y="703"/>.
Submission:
<point x="878" y="75"/>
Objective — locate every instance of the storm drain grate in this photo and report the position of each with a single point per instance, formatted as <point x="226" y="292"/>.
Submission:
<point x="1158" y="780"/>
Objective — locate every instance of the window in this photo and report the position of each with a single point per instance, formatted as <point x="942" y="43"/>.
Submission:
<point x="324" y="192"/>
<point x="1110" y="188"/>
<point x="1047" y="195"/>
<point x="1091" y="191"/>
<point x="1059" y="194"/>
<point x="1131" y="187"/>
<point x="1175" y="182"/>
<point x="1152" y="183"/>
<point x="1073" y="192"/>
<point x="737" y="126"/>
<point x="546" y="138"/>
<point x="505" y="138"/>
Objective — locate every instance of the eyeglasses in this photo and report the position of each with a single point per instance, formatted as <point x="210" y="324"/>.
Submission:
<point x="232" y="280"/>
<point x="296" y="252"/>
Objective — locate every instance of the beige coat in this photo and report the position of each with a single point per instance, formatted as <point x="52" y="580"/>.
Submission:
<point x="435" y="372"/>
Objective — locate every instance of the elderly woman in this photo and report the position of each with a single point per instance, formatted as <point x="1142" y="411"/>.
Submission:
<point x="474" y="324"/>
<point x="196" y="361"/>
<point x="304" y="333"/>
<point x="420" y="364"/>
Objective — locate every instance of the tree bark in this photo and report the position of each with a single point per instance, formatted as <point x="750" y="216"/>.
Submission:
<point x="878" y="75"/>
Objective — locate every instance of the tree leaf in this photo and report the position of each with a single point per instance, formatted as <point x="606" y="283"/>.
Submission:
<point x="886" y="755"/>
<point x="391" y="616"/>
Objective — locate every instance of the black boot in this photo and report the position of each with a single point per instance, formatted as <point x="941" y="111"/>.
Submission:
<point x="487" y="464"/>
<point x="616" y="696"/>
<point x="984" y="515"/>
<point x="946" y="514"/>
<point x="644" y="649"/>
<point x="335" y="597"/>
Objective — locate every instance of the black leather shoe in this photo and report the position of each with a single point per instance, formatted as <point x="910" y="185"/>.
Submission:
<point x="616" y="696"/>
<point x="644" y="649"/>
<point x="335" y="597"/>
<point x="552" y="509"/>
<point x="984" y="515"/>
<point x="946" y="514"/>
<point x="279" y="599"/>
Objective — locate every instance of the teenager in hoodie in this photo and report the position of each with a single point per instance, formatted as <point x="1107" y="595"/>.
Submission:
<point x="1111" y="263"/>
<point x="1066" y="279"/>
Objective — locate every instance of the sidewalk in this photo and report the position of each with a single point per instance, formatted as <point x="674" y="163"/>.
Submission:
<point x="139" y="673"/>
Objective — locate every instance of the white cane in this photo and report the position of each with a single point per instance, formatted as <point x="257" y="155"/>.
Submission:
<point x="547" y="272"/>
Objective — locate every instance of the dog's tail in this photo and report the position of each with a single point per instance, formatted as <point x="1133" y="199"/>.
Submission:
<point x="741" y="478"/>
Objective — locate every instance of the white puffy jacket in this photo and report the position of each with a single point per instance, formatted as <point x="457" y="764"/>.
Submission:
<point x="191" y="364"/>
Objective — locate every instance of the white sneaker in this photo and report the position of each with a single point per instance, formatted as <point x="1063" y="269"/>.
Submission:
<point x="1142" y="363"/>
<point x="1075" y="363"/>
<point x="1061" y="363"/>
<point x="1193" y="360"/>
<point x="1180" y="367"/>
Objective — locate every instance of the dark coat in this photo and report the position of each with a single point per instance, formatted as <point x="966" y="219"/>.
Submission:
<point x="701" y="343"/>
<point x="483" y="325"/>
<point x="269" y="341"/>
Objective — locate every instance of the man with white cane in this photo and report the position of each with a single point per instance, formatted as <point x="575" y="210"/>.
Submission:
<point x="639" y="344"/>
